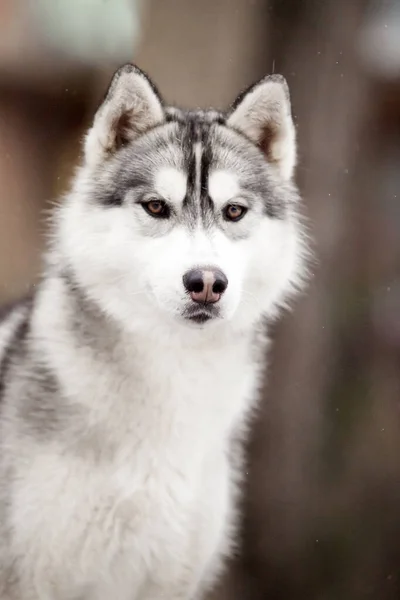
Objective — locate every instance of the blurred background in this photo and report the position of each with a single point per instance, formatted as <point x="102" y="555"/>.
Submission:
<point x="322" y="499"/>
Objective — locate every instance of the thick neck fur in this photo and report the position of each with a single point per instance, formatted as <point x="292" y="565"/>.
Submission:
<point x="152" y="383"/>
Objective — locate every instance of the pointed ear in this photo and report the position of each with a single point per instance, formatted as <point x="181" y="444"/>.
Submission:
<point x="263" y="114"/>
<point x="131" y="107"/>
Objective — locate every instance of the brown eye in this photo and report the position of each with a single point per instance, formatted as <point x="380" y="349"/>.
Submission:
<point x="156" y="208"/>
<point x="234" y="212"/>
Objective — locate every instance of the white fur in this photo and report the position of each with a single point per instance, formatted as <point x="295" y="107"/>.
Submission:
<point x="154" y="522"/>
<point x="223" y="187"/>
<point x="149" y="270"/>
<point x="170" y="184"/>
<point x="140" y="503"/>
<point x="163" y="505"/>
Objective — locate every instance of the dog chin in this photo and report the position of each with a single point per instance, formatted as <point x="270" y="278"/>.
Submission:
<point x="199" y="315"/>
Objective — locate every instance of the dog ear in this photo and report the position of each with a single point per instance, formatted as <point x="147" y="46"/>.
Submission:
<point x="131" y="107"/>
<point x="263" y="114"/>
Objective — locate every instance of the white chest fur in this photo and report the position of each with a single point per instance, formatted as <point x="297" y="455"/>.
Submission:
<point x="146" y="499"/>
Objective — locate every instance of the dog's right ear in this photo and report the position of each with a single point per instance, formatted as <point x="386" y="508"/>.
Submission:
<point x="131" y="107"/>
<point x="263" y="114"/>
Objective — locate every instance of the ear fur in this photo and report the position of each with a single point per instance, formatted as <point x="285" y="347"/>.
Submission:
<point x="131" y="107"/>
<point x="263" y="114"/>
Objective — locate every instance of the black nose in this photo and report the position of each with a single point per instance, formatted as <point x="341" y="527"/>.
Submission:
<point x="206" y="285"/>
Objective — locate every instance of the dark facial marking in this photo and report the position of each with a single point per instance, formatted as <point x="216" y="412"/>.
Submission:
<point x="207" y="206"/>
<point x="113" y="194"/>
<point x="191" y="137"/>
<point x="196" y="137"/>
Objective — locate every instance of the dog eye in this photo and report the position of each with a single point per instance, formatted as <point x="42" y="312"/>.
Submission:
<point x="157" y="208"/>
<point x="234" y="212"/>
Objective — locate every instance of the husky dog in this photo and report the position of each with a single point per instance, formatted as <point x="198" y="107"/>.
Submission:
<point x="127" y="379"/>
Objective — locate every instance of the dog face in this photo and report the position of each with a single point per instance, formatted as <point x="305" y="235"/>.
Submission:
<point x="190" y="215"/>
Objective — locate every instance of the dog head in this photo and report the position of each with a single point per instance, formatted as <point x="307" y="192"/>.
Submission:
<point x="190" y="215"/>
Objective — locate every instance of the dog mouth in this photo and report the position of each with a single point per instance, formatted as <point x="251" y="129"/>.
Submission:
<point x="200" y="314"/>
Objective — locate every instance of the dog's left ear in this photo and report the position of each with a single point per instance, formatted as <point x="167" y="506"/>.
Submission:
<point x="131" y="107"/>
<point x="263" y="114"/>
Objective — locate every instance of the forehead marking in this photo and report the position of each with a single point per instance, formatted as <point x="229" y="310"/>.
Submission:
<point x="223" y="186"/>
<point x="197" y="166"/>
<point x="171" y="184"/>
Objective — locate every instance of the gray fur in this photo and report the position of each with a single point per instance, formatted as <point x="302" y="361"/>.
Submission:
<point x="116" y="413"/>
<point x="172" y="144"/>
